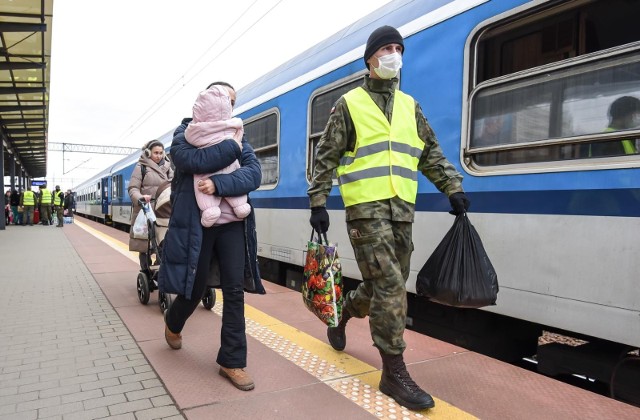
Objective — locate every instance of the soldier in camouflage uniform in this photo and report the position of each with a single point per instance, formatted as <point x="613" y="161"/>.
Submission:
<point x="380" y="225"/>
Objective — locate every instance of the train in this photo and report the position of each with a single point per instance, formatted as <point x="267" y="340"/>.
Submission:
<point x="518" y="93"/>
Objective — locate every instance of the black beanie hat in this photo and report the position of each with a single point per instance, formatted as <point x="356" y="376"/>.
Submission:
<point x="380" y="37"/>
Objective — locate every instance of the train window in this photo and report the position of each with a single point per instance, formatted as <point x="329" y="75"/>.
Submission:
<point x="561" y="85"/>
<point x="262" y="132"/>
<point x="321" y="104"/>
<point x="116" y="182"/>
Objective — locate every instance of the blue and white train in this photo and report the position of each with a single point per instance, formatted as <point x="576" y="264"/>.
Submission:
<point x="517" y="92"/>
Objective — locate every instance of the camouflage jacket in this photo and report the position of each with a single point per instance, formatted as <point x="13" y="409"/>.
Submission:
<point x="339" y="136"/>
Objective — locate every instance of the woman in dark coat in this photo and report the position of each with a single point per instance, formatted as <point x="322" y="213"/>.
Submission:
<point x="226" y="254"/>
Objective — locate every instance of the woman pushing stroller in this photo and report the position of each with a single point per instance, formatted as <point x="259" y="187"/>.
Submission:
<point x="153" y="169"/>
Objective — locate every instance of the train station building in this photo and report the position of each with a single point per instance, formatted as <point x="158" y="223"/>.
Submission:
<point x="25" y="63"/>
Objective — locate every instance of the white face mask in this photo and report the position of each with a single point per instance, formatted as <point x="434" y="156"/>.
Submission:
<point x="389" y="65"/>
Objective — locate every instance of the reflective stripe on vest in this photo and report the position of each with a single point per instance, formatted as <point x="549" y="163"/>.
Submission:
<point x="29" y="198"/>
<point x="384" y="163"/>
<point x="627" y="145"/>
<point x="45" y="196"/>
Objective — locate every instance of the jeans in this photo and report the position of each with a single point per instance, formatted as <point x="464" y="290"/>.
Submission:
<point x="226" y="244"/>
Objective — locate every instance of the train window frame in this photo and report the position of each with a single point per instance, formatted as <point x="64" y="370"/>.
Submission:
<point x="258" y="150"/>
<point x="116" y="183"/>
<point x="313" y="138"/>
<point x="579" y="64"/>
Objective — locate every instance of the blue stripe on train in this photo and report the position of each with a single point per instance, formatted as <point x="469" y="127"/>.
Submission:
<point x="620" y="202"/>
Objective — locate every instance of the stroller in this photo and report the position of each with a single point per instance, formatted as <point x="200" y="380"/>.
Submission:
<point x="147" y="280"/>
<point x="157" y="214"/>
<point x="163" y="212"/>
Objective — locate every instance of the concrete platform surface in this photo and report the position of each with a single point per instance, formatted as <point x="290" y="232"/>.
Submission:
<point x="75" y="342"/>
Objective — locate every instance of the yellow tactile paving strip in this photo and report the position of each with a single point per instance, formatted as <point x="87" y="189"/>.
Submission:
<point x="113" y="243"/>
<point x="350" y="377"/>
<point x="354" y="379"/>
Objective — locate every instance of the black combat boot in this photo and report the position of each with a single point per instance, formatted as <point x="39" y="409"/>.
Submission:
<point x="397" y="384"/>
<point x="336" y="335"/>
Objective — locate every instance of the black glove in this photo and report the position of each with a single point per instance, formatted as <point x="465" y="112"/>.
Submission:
<point x="319" y="219"/>
<point x="459" y="203"/>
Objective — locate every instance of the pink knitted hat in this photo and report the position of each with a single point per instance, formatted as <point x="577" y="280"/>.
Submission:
<point x="213" y="104"/>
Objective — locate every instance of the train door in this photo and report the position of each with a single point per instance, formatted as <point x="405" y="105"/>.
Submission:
<point x="106" y="197"/>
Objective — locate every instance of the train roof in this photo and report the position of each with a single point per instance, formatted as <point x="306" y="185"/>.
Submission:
<point x="344" y="47"/>
<point x="348" y="45"/>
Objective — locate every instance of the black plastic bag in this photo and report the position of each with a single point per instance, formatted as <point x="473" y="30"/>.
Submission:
<point x="459" y="272"/>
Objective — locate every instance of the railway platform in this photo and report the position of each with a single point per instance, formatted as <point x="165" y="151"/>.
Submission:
<point x="75" y="343"/>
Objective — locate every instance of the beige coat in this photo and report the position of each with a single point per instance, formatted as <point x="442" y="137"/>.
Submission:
<point x="156" y="175"/>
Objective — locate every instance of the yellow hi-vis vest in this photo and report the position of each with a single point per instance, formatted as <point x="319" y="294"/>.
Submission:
<point x="57" y="200"/>
<point x="28" y="199"/>
<point x="628" y="146"/>
<point x="45" y="196"/>
<point x="384" y="163"/>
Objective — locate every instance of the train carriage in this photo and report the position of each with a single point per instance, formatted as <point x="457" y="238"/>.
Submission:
<point x="520" y="95"/>
<point x="561" y="225"/>
<point x="105" y="196"/>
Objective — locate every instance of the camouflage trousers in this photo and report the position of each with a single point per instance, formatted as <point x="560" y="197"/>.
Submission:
<point x="60" y="215"/>
<point x="27" y="215"/>
<point x="45" y="214"/>
<point x="383" y="251"/>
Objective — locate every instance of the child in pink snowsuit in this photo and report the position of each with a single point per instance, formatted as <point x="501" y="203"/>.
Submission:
<point x="211" y="124"/>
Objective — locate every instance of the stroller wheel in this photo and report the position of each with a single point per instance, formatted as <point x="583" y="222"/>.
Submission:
<point x="143" y="288"/>
<point x="209" y="299"/>
<point x="164" y="300"/>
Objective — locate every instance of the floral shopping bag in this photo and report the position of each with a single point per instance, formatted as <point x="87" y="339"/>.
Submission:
<point x="322" y="287"/>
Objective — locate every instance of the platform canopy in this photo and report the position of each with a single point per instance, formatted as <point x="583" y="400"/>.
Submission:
<point x="25" y="57"/>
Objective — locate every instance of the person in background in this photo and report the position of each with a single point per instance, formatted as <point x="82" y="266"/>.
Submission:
<point x="224" y="254"/>
<point x="28" y="203"/>
<point x="15" y="203"/>
<point x="359" y="140"/>
<point x="58" y="201"/>
<point x="44" y="200"/>
<point x="69" y="203"/>
<point x="624" y="114"/>
<point x="7" y="208"/>
<point x="152" y="170"/>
